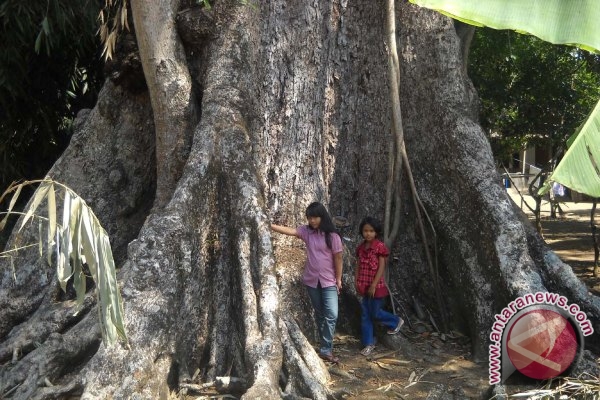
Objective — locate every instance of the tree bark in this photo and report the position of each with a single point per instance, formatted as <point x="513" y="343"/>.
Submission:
<point x="294" y="108"/>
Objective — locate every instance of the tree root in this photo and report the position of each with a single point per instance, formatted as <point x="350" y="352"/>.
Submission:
<point x="48" y="318"/>
<point x="49" y="362"/>
<point x="223" y="384"/>
<point x="73" y="388"/>
<point x="306" y="373"/>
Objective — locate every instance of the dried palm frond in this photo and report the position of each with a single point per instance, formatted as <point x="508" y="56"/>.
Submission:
<point x="79" y="240"/>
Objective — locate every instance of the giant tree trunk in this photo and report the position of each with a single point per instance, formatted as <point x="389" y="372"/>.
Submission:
<point x="292" y="108"/>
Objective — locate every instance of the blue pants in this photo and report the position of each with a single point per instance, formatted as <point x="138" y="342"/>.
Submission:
<point x="371" y="313"/>
<point x="325" y="304"/>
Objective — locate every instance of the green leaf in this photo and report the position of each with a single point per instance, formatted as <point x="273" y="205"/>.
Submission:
<point x="579" y="169"/>
<point x="556" y="21"/>
<point x="572" y="138"/>
<point x="46" y="26"/>
<point x="38" y="42"/>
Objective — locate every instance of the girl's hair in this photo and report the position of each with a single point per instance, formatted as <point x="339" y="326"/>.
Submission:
<point x="377" y="227"/>
<point x="317" y="209"/>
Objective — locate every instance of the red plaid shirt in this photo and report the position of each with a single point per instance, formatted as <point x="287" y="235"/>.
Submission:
<point x="368" y="264"/>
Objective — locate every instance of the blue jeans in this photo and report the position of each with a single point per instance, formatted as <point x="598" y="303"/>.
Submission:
<point x="325" y="304"/>
<point x="371" y="313"/>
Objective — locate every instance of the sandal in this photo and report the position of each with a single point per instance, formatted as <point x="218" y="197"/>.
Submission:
<point x="396" y="329"/>
<point x="367" y="350"/>
<point x="329" y="358"/>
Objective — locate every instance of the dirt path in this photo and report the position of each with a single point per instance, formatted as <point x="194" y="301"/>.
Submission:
<point x="570" y="237"/>
<point x="428" y="365"/>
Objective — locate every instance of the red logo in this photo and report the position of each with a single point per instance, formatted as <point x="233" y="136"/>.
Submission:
<point x="541" y="344"/>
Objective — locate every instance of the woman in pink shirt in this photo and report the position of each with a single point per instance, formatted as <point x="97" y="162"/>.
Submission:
<point x="322" y="272"/>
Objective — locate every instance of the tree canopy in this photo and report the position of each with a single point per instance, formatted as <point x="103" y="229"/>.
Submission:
<point x="532" y="91"/>
<point x="49" y="69"/>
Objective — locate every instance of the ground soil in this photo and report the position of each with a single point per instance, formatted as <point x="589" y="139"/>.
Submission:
<point x="569" y="235"/>
<point x="428" y="365"/>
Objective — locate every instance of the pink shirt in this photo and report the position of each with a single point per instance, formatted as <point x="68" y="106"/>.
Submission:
<point x="320" y="265"/>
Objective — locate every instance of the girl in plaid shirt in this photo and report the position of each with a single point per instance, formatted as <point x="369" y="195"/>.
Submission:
<point x="372" y="256"/>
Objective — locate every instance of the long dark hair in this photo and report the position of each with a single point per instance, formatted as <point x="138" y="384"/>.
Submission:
<point x="377" y="226"/>
<point x="327" y="226"/>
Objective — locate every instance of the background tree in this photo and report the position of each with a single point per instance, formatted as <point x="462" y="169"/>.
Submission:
<point x="271" y="123"/>
<point x="532" y="92"/>
<point x="49" y="70"/>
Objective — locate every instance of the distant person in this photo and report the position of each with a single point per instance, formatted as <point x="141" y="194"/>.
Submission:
<point x="372" y="256"/>
<point x="558" y="190"/>
<point x="322" y="272"/>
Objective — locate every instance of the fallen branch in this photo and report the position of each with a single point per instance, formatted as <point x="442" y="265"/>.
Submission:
<point x="383" y="355"/>
<point x="341" y="373"/>
<point x="5" y="394"/>
<point x="222" y="384"/>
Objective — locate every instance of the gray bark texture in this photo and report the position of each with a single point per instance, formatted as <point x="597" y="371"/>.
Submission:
<point x="289" y="104"/>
